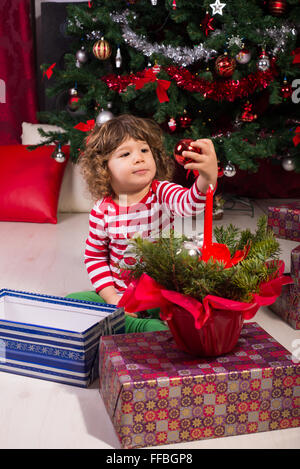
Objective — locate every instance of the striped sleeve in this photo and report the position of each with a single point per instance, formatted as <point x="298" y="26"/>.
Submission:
<point x="180" y="200"/>
<point x="96" y="255"/>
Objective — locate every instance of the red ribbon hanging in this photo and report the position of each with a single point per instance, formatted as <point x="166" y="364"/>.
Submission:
<point x="162" y="85"/>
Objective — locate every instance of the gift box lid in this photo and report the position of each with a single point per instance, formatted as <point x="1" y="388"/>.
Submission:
<point x="291" y="206"/>
<point x="53" y="338"/>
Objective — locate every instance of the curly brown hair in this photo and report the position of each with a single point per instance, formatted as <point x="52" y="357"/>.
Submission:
<point x="104" y="140"/>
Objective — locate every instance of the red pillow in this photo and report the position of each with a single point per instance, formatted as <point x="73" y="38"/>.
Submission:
<point x="30" y="182"/>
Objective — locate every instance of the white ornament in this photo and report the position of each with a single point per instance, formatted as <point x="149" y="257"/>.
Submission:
<point x="229" y="170"/>
<point x="288" y="164"/>
<point x="172" y="124"/>
<point x="263" y="63"/>
<point x="118" y="58"/>
<point x="243" y="57"/>
<point x="103" y="117"/>
<point x="217" y="7"/>
<point x="235" y="40"/>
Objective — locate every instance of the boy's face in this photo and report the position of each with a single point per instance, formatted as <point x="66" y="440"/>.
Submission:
<point x="131" y="166"/>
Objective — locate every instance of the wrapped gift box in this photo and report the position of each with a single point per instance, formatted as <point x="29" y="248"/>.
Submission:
<point x="284" y="220"/>
<point x="295" y="265"/>
<point x="287" y="305"/>
<point x="155" y="394"/>
<point x="54" y="338"/>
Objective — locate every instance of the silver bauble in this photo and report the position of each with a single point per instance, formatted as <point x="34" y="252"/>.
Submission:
<point x="263" y="63"/>
<point x="229" y="170"/>
<point x="191" y="247"/>
<point x="73" y="91"/>
<point x="82" y="55"/>
<point x="103" y="117"/>
<point x="59" y="156"/>
<point x="154" y="2"/>
<point x="288" y="164"/>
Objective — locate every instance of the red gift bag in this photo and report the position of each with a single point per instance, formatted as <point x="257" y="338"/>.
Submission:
<point x="205" y="329"/>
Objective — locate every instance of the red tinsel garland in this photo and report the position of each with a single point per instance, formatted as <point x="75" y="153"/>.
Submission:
<point x="217" y="90"/>
<point x="222" y="90"/>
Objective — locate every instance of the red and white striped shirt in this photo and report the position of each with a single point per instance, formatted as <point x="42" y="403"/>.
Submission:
<point x="111" y="225"/>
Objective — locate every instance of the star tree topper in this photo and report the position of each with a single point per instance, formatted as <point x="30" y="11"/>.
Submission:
<point x="217" y="7"/>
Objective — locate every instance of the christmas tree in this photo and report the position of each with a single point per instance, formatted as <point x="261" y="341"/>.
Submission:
<point x="226" y="71"/>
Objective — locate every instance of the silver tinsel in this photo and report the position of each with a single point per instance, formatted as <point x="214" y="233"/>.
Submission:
<point x="182" y="56"/>
<point x="280" y="36"/>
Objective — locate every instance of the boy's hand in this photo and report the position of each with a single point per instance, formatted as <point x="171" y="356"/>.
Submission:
<point x="206" y="163"/>
<point x="133" y="315"/>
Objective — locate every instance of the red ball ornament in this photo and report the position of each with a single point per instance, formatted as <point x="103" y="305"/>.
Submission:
<point x="286" y="90"/>
<point x="225" y="65"/>
<point x="185" y="120"/>
<point x="277" y="7"/>
<point x="184" y="145"/>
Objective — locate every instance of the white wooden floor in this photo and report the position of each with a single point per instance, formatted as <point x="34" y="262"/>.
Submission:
<point x="39" y="414"/>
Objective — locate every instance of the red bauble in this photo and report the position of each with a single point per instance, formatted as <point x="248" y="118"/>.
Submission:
<point x="286" y="90"/>
<point x="74" y="103"/>
<point x="277" y="7"/>
<point x="225" y="65"/>
<point x="185" y="120"/>
<point x="184" y="145"/>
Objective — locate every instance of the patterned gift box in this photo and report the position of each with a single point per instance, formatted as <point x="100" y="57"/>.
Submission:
<point x="54" y="338"/>
<point x="295" y="265"/>
<point x="284" y="220"/>
<point x="156" y="395"/>
<point x="287" y="305"/>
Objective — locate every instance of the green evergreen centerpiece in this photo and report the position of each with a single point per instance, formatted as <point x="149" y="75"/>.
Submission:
<point x="169" y="263"/>
<point x="206" y="300"/>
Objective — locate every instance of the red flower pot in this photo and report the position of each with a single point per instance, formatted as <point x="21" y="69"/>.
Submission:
<point x="217" y="336"/>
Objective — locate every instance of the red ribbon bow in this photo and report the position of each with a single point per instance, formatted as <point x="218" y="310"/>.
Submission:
<point x="220" y="252"/>
<point x="49" y="71"/>
<point x="296" y="54"/>
<point x="85" y="126"/>
<point x="162" y="85"/>
<point x="296" y="138"/>
<point x="146" y="293"/>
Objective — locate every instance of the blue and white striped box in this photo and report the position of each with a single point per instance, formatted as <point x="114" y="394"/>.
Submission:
<point x="54" y="338"/>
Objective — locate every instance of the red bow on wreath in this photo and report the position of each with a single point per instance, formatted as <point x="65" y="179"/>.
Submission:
<point x="162" y="85"/>
<point x="49" y="71"/>
<point x="85" y="126"/>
